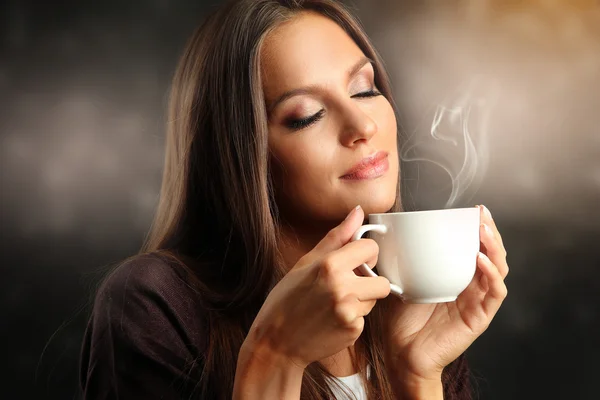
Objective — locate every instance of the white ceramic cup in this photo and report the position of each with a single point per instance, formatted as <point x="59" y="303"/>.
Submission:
<point x="428" y="256"/>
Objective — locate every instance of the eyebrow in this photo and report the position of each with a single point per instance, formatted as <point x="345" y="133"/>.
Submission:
<point x="353" y="70"/>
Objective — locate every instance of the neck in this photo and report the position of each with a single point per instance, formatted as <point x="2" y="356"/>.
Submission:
<point x="295" y="242"/>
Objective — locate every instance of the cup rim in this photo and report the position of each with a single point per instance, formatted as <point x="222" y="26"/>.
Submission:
<point x="426" y="211"/>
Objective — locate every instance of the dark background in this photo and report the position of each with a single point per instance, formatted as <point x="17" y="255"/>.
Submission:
<point x="82" y="98"/>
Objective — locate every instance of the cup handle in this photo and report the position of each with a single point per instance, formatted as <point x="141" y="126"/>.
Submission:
<point x="364" y="268"/>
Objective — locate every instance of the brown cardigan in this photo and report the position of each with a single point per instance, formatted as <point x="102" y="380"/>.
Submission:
<point x="145" y="335"/>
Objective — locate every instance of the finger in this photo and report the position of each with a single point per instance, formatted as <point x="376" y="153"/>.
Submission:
<point x="351" y="308"/>
<point x="371" y="288"/>
<point x="493" y="249"/>
<point x="371" y="263"/>
<point x="483" y="282"/>
<point x="351" y="256"/>
<point x="486" y="217"/>
<point x="365" y="307"/>
<point x="497" y="289"/>
<point x="341" y="234"/>
<point x="478" y="286"/>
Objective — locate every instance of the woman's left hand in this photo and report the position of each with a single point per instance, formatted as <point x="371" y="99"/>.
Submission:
<point x="421" y="339"/>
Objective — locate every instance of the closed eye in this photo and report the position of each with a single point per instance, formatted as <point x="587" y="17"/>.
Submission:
<point x="368" y="93"/>
<point x="297" y="124"/>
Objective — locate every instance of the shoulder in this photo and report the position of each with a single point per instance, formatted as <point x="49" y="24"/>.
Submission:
<point x="147" y="334"/>
<point x="149" y="277"/>
<point x="149" y="293"/>
<point x="142" y="273"/>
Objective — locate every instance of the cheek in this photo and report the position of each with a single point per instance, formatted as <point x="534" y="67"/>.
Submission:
<point x="301" y="180"/>
<point x="388" y="138"/>
<point x="386" y="121"/>
<point x="306" y="164"/>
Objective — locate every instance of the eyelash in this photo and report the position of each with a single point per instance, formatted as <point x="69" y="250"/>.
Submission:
<point x="298" y="124"/>
<point x="368" y="93"/>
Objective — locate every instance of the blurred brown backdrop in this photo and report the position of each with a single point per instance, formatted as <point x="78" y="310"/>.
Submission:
<point x="513" y="85"/>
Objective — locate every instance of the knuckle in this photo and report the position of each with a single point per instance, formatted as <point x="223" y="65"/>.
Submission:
<point x="344" y="314"/>
<point x="484" y="326"/>
<point x="503" y="292"/>
<point x="357" y="326"/>
<point x="329" y="266"/>
<point x="337" y="296"/>
<point x="482" y="323"/>
<point x="333" y="236"/>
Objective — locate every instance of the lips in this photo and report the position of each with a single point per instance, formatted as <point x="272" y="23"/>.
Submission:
<point x="369" y="167"/>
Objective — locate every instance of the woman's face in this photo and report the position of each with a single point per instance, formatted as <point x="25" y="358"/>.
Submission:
<point x="326" y="117"/>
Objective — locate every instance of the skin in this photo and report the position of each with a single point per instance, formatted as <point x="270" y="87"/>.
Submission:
<point x="316" y="312"/>
<point x="308" y="163"/>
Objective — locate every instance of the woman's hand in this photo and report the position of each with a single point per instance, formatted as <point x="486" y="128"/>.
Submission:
<point x="422" y="339"/>
<point x="318" y="308"/>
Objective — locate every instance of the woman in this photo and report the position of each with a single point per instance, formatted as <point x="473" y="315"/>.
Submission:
<point x="245" y="287"/>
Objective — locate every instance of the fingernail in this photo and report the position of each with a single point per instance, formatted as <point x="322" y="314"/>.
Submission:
<point x="487" y="212"/>
<point x="483" y="256"/>
<point x="352" y="212"/>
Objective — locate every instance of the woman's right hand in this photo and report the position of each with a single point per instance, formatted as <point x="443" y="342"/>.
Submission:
<point x="318" y="308"/>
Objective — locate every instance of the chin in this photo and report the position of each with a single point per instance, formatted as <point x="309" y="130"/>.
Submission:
<point x="375" y="196"/>
<point x="375" y="203"/>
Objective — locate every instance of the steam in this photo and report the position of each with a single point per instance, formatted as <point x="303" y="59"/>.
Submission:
<point x="458" y="140"/>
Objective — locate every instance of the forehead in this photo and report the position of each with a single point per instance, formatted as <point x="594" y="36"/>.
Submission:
<point x="309" y="49"/>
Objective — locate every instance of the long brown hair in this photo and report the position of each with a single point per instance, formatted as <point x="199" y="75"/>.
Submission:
<point x="217" y="216"/>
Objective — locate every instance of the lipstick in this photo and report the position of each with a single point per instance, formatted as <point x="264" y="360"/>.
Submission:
<point x="369" y="167"/>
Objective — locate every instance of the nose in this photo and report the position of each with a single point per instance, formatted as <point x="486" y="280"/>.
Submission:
<point x="357" y="127"/>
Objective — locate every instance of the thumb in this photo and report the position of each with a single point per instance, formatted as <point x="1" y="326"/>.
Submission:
<point x="341" y="234"/>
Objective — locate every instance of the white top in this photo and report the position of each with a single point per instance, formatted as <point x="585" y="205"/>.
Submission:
<point x="354" y="383"/>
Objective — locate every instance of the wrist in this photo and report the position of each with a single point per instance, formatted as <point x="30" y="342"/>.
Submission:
<point x="417" y="388"/>
<point x="261" y="353"/>
<point x="408" y="385"/>
<point x="263" y="373"/>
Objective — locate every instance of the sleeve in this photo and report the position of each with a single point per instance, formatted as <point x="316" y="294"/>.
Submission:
<point x="456" y="379"/>
<point x="144" y="337"/>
